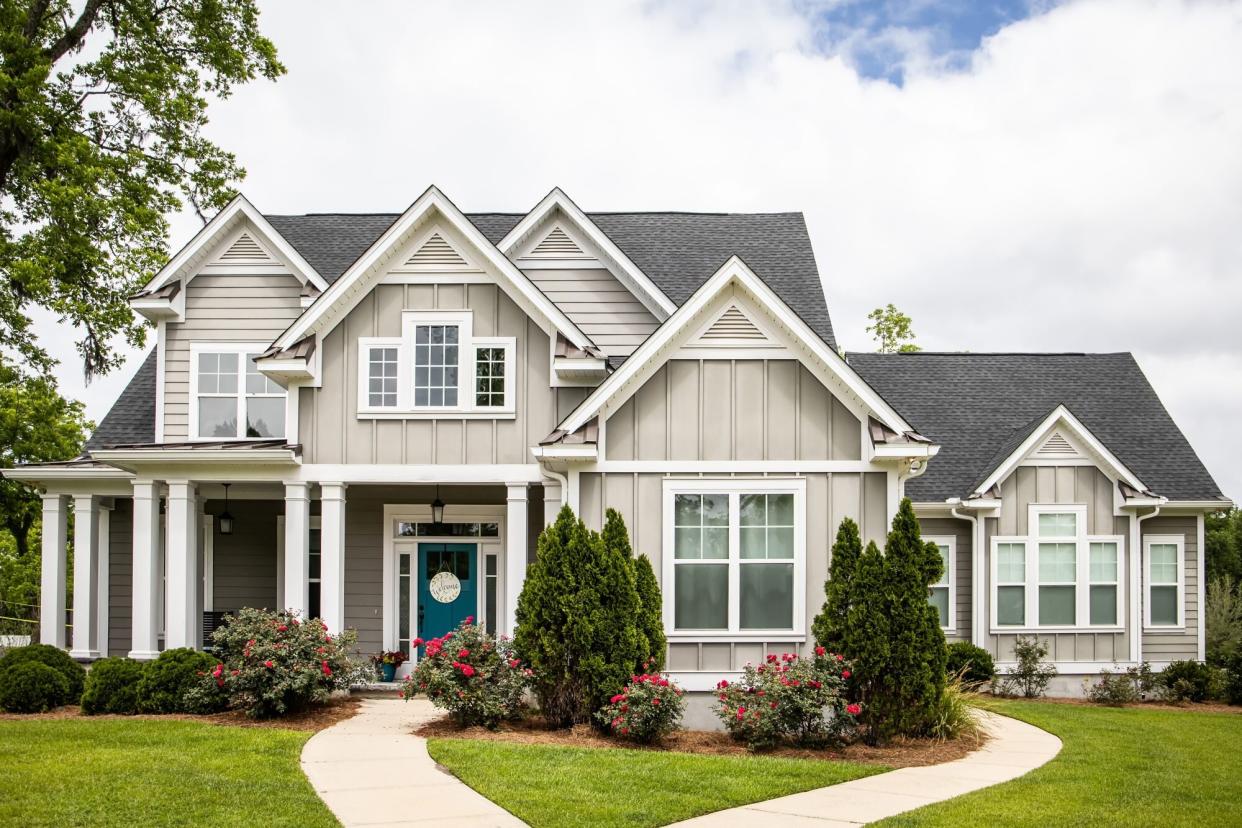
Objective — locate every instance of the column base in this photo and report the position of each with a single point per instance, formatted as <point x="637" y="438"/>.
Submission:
<point x="144" y="655"/>
<point x="85" y="655"/>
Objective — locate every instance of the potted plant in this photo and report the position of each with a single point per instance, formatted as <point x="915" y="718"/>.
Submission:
<point x="388" y="662"/>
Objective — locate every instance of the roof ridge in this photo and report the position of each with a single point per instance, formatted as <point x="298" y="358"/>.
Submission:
<point x="991" y="353"/>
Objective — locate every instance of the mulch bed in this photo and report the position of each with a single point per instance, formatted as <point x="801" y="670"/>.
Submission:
<point x="532" y="731"/>
<point x="315" y="719"/>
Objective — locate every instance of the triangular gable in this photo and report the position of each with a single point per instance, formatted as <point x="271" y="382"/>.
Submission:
<point x="335" y="303"/>
<point x="437" y="253"/>
<point x="733" y="327"/>
<point x="705" y="305"/>
<point x="556" y="244"/>
<point x="262" y="240"/>
<point x="1058" y="437"/>
<point x="638" y="283"/>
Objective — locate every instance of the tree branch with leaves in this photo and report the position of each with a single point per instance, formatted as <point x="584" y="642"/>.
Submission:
<point x="891" y="330"/>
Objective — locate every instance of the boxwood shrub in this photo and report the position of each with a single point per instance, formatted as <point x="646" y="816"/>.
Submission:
<point x="1186" y="681"/>
<point x="112" y="686"/>
<point x="167" y="683"/>
<point x="54" y="657"/>
<point x="973" y="664"/>
<point x="32" y="687"/>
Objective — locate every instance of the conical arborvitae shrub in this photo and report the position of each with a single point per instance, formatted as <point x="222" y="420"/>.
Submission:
<point x="576" y="621"/>
<point x="650" y="620"/>
<point x="892" y="633"/>
<point x="830" y="625"/>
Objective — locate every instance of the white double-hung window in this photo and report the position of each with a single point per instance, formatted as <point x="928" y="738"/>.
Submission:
<point x="734" y="557"/>
<point x="1164" y="577"/>
<point x="230" y="399"/>
<point x="1057" y="576"/>
<point x="941" y="595"/>
<point x="436" y="366"/>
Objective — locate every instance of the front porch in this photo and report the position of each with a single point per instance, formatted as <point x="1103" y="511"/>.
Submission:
<point x="154" y="570"/>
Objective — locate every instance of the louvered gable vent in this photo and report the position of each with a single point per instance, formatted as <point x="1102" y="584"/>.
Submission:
<point x="1056" y="446"/>
<point x="733" y="325"/>
<point x="436" y="252"/>
<point x="245" y="251"/>
<point x="557" y="244"/>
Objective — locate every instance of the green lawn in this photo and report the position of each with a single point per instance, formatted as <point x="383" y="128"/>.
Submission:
<point x="148" y="772"/>
<point x="551" y="786"/>
<point x="1127" y="766"/>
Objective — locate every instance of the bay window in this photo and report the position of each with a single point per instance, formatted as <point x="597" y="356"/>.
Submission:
<point x="941" y="593"/>
<point x="436" y="366"/>
<point x="1058" y="576"/>
<point x="230" y="399"/>
<point x="1164" y="577"/>
<point x="734" y="556"/>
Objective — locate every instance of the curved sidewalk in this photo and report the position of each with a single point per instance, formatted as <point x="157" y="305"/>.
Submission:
<point x="371" y="770"/>
<point x="1015" y="748"/>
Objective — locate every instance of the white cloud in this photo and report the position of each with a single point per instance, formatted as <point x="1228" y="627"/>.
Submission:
<point x="1075" y="188"/>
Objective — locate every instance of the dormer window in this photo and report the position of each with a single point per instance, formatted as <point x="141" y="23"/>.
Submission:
<point x="230" y="399"/>
<point x="436" y="368"/>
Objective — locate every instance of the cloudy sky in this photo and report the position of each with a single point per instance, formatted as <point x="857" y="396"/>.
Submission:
<point x="1032" y="176"/>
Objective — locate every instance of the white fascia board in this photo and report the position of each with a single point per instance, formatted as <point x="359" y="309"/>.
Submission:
<point x="905" y="450"/>
<point x="578" y="453"/>
<point x="243" y="457"/>
<point x="432" y="199"/>
<point x="734" y="270"/>
<point x="557" y="199"/>
<point x="285" y="371"/>
<point x="1061" y="416"/>
<point x="156" y="310"/>
<point x="221" y="223"/>
<point x="37" y="474"/>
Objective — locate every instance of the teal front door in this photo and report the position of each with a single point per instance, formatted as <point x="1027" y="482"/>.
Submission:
<point x="447" y="574"/>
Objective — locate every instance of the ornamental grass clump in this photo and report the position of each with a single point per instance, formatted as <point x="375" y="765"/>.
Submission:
<point x="274" y="663"/>
<point x="789" y="698"/>
<point x="646" y="710"/>
<point x="471" y="674"/>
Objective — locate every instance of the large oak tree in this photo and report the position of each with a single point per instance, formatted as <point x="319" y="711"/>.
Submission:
<point x="102" y="110"/>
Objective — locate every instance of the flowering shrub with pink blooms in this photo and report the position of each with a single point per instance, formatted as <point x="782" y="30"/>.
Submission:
<point x="471" y="674"/>
<point x="646" y="710"/>
<point x="789" y="698"/>
<point x="274" y="663"/>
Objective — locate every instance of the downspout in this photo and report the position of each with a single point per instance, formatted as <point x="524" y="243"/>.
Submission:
<point x="976" y="567"/>
<point x="563" y="482"/>
<point x="1136" y="578"/>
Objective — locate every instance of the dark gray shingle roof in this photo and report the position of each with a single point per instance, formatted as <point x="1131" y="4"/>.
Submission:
<point x="977" y="405"/>
<point x="677" y="251"/>
<point x="132" y="417"/>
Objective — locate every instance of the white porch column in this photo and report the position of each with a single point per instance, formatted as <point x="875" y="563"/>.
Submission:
<point x="104" y="564"/>
<point x="146" y="577"/>
<point x="297" y="546"/>
<point x="332" y="556"/>
<point x="52" y="586"/>
<point x="85" y="577"/>
<point x="183" y="627"/>
<point x="515" y="551"/>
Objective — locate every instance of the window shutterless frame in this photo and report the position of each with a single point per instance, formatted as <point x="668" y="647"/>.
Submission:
<point x="948" y="581"/>
<point x="1158" y="575"/>
<point x="1056" y="527"/>
<point x="240" y="392"/>
<point x="734" y="489"/>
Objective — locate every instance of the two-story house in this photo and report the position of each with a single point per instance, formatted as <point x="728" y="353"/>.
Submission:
<point x="369" y="419"/>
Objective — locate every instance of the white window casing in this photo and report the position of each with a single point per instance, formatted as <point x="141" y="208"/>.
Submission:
<point x="1040" y="565"/>
<point x="221" y="382"/>
<point x="759" y="547"/>
<point x="1163" y="575"/>
<point x="409" y="393"/>
<point x="948" y="580"/>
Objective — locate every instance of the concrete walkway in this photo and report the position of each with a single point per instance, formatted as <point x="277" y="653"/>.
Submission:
<point x="1015" y="748"/>
<point x="370" y="770"/>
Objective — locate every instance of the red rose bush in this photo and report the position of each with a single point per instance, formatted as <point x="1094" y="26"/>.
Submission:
<point x="646" y="710"/>
<point x="275" y="663"/>
<point x="789" y="698"/>
<point x="471" y="674"/>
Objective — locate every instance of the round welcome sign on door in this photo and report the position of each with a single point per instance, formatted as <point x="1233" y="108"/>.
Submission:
<point x="444" y="587"/>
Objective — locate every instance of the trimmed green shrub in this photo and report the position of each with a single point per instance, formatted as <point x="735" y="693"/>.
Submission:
<point x="274" y="663"/>
<point x="1233" y="680"/>
<point x="576" y="620"/>
<point x="646" y="710"/>
<point x="830" y="625"/>
<point x="1113" y="689"/>
<point x="112" y="686"/>
<point x="890" y="632"/>
<point x="54" y="657"/>
<point x="651" y="616"/>
<point x="973" y="664"/>
<point x="1031" y="675"/>
<point x="472" y="675"/>
<point x="32" y="687"/>
<point x="167" y="684"/>
<point x="1186" y="681"/>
